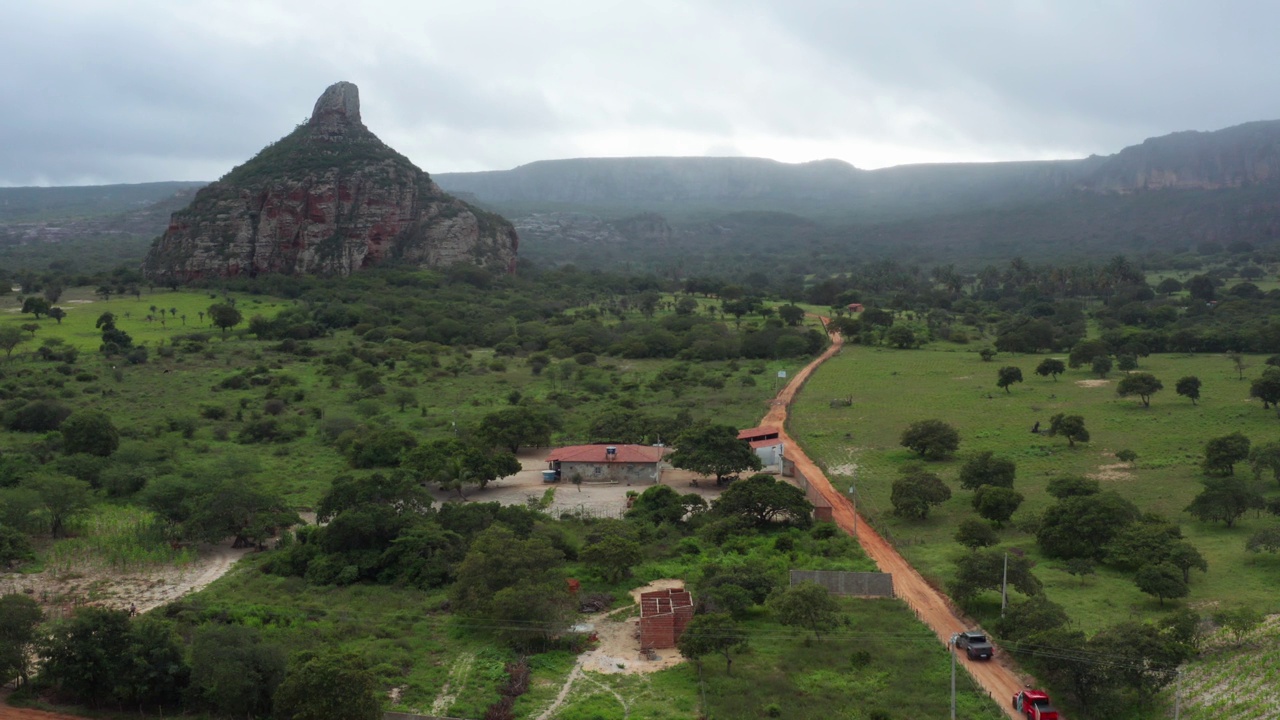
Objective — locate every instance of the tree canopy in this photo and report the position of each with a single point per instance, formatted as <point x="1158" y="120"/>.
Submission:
<point x="763" y="500"/>
<point x="714" y="450"/>
<point x="1142" y="384"/>
<point x="931" y="439"/>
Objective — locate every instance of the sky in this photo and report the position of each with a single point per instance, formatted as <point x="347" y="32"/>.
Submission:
<point x="114" y="91"/>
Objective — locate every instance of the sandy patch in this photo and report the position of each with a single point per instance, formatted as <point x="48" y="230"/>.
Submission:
<point x="963" y="377"/>
<point x="1115" y="471"/>
<point x="79" y="302"/>
<point x="849" y="469"/>
<point x="60" y="592"/>
<point x="619" y="648"/>
<point x="1093" y="383"/>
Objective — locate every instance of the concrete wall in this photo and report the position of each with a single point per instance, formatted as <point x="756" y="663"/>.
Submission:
<point x="625" y="473"/>
<point x="865" y="584"/>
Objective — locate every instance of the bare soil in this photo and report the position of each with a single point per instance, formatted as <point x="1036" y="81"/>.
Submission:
<point x="1093" y="383"/>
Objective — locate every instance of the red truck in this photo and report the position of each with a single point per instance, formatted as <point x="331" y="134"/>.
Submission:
<point x="1035" y="705"/>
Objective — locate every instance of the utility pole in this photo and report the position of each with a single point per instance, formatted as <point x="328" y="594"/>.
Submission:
<point x="1004" y="586"/>
<point x="1177" y="694"/>
<point x="951" y="647"/>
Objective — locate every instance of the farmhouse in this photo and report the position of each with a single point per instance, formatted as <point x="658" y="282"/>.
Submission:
<point x="607" y="463"/>
<point x="855" y="307"/>
<point x="766" y="443"/>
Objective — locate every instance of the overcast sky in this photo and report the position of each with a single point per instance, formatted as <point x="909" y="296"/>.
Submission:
<point x="142" y="90"/>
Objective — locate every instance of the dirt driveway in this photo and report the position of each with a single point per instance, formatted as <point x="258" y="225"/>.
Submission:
<point x="1000" y="678"/>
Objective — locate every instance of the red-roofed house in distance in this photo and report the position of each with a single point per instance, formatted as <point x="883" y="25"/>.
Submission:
<point x="855" y="307"/>
<point x="606" y="463"/>
<point x="766" y="443"/>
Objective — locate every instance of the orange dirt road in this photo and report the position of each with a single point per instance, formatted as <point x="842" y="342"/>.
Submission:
<point x="14" y="713"/>
<point x="998" y="677"/>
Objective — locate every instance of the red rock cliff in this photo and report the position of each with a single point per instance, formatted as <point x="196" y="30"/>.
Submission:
<point x="329" y="198"/>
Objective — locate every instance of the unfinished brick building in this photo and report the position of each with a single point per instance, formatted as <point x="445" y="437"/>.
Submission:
<point x="663" y="616"/>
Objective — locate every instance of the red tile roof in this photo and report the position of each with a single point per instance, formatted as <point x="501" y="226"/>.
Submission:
<point x="596" y="454"/>
<point x="771" y="442"/>
<point x="757" y="432"/>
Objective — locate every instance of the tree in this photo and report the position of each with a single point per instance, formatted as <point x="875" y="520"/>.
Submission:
<point x="404" y="398"/>
<point x="1072" y="485"/>
<point x="1161" y="581"/>
<point x="1238" y="361"/>
<point x="996" y="504"/>
<point x="931" y="439"/>
<point x="1051" y="366"/>
<point x="62" y="498"/>
<point x="35" y="305"/>
<point x="1239" y="621"/>
<point x="984" y="570"/>
<point x="657" y="505"/>
<point x="90" y="431"/>
<point x="454" y="464"/>
<point x="1142" y="384"/>
<point x="224" y="316"/>
<point x="57" y="313"/>
<point x="30" y="327"/>
<point x="238" y="508"/>
<point x="901" y="337"/>
<point x="974" y="534"/>
<point x="1035" y="614"/>
<point x="1083" y="525"/>
<point x="20" y="618"/>
<point x="807" y="605"/>
<point x="15" y="548"/>
<point x="1200" y="287"/>
<point x="10" y="338"/>
<point x="987" y="354"/>
<point x="1079" y="567"/>
<point x="400" y="492"/>
<point x="791" y="314"/>
<point x="327" y="685"/>
<point x="709" y="634"/>
<point x="714" y="450"/>
<point x="233" y="672"/>
<point x="1069" y="426"/>
<point x="1085" y="351"/>
<point x="734" y="588"/>
<point x="530" y="568"/>
<point x="155" y="672"/>
<point x="517" y="426"/>
<point x="1169" y="286"/>
<point x="87" y="656"/>
<point x="1008" y="375"/>
<point x="1189" y="387"/>
<point x="987" y="469"/>
<point x="916" y="492"/>
<point x="611" y="550"/>
<point x="1265" y="457"/>
<point x="763" y="500"/>
<point x="1222" y="453"/>
<point x="1101" y="365"/>
<point x="1267" y="388"/>
<point x="1267" y="539"/>
<point x="1225" y="499"/>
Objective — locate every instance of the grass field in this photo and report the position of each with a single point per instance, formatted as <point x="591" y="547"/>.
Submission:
<point x="891" y="389"/>
<point x="84" y="308"/>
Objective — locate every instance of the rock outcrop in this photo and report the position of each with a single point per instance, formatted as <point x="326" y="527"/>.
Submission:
<point x="329" y="198"/>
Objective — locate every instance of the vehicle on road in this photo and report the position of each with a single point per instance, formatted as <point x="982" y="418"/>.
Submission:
<point x="1035" y="705"/>
<point x="975" y="645"/>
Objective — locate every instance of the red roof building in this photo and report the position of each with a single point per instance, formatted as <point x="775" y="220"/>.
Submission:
<point x="766" y="442"/>
<point x="608" y="463"/>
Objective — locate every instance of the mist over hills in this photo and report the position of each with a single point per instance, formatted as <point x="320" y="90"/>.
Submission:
<point x="702" y="214"/>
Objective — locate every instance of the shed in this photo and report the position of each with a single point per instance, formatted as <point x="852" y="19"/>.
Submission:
<point x="663" y="617"/>
<point x="767" y="442"/>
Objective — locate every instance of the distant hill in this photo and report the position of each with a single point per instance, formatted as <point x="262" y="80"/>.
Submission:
<point x="35" y="204"/>
<point x="1163" y="195"/>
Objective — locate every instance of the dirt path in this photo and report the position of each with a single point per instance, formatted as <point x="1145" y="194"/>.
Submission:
<point x="999" y="677"/>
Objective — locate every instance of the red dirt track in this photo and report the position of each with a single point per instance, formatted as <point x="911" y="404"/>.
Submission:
<point x="998" y="677"/>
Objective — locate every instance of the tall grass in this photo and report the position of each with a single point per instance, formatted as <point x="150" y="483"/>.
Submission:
<point x="116" y="538"/>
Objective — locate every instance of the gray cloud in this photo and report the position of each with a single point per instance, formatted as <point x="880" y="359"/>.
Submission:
<point x="155" y="89"/>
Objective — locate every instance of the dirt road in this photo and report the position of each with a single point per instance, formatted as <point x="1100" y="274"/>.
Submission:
<point x="998" y="677"/>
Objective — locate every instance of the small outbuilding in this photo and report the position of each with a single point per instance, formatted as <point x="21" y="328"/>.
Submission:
<point x="605" y="463"/>
<point x="663" y="617"/>
<point x="766" y="442"/>
<point x="855" y="307"/>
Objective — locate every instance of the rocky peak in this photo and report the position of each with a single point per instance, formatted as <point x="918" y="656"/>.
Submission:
<point x="328" y="198"/>
<point x="337" y="109"/>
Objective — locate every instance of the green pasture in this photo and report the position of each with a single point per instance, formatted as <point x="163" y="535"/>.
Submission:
<point x="859" y="445"/>
<point x="83" y="309"/>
